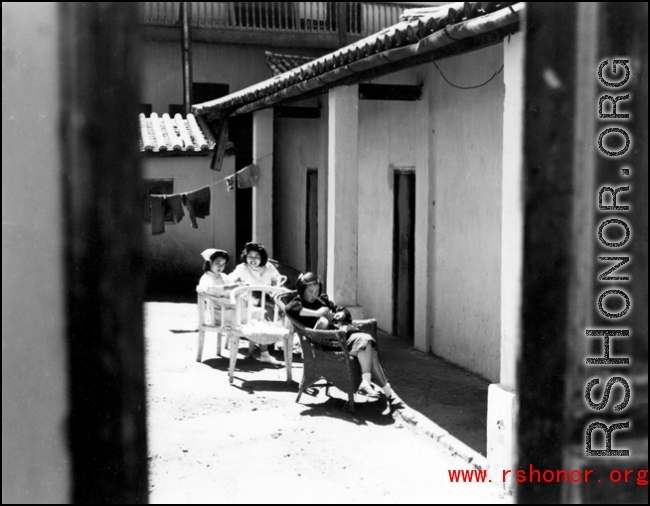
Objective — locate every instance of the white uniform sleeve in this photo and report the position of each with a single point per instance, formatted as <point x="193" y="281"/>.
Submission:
<point x="240" y="273"/>
<point x="273" y="273"/>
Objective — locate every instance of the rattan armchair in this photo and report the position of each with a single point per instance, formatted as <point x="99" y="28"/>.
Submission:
<point x="326" y="355"/>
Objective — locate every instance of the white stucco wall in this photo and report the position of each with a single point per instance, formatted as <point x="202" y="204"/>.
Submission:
<point x="178" y="249"/>
<point x="36" y="467"/>
<point x="299" y="144"/>
<point x="466" y="160"/>
<point x="454" y="140"/>
<point x="162" y="84"/>
<point x="388" y="138"/>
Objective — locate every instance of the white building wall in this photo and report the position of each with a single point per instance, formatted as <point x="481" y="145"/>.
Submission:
<point x="176" y="253"/>
<point x="466" y="158"/>
<point x="297" y="147"/>
<point x="388" y="139"/>
<point x="238" y="66"/>
<point x="454" y="140"/>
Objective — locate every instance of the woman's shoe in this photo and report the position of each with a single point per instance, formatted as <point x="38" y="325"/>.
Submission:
<point x="368" y="391"/>
<point x="270" y="360"/>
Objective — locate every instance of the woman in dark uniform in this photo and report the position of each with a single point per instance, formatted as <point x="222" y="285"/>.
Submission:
<point x="316" y="310"/>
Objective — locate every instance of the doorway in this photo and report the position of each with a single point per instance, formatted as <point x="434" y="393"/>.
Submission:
<point x="241" y="134"/>
<point x="311" y="222"/>
<point x="404" y="252"/>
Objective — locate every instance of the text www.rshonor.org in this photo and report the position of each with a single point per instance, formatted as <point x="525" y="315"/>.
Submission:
<point x="533" y="475"/>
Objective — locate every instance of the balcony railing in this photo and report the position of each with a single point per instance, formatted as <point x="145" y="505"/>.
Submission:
<point x="318" y="18"/>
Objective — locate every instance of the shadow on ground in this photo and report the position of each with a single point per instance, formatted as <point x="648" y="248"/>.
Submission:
<point x="366" y="411"/>
<point x="270" y="386"/>
<point x="244" y="363"/>
<point x="453" y="398"/>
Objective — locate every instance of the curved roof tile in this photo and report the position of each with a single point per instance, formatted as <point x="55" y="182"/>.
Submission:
<point x="160" y="134"/>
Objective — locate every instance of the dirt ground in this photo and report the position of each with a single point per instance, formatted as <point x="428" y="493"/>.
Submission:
<point x="250" y="442"/>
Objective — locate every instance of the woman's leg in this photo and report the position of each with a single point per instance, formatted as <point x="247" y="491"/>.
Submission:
<point x="380" y="378"/>
<point x="378" y="370"/>
<point x="365" y="359"/>
<point x="371" y="368"/>
<point x="364" y="355"/>
<point x="266" y="357"/>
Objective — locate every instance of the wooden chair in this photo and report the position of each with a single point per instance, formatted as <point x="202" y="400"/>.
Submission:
<point x="251" y="323"/>
<point x="326" y="355"/>
<point x="206" y="320"/>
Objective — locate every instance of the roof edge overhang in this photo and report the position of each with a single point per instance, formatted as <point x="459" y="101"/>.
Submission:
<point x="450" y="40"/>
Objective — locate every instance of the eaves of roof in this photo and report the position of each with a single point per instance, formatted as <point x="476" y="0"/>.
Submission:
<point x="424" y="35"/>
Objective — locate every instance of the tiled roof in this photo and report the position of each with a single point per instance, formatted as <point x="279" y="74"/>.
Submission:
<point x="280" y="63"/>
<point x="164" y="133"/>
<point x="409" y="42"/>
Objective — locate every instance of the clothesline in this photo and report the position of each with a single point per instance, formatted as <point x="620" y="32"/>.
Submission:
<point x="240" y="170"/>
<point x="197" y="202"/>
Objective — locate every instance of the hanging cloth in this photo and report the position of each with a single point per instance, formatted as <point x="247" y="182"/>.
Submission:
<point x="157" y="203"/>
<point x="230" y="183"/>
<point x="198" y="204"/>
<point x="175" y="203"/>
<point x="248" y="176"/>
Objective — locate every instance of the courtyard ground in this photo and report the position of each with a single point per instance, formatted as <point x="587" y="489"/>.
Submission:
<point x="213" y="442"/>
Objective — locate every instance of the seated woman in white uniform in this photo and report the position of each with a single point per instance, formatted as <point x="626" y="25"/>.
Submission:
<point x="215" y="282"/>
<point x="255" y="269"/>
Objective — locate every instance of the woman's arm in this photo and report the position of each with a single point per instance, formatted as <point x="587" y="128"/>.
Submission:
<point x="239" y="275"/>
<point x="295" y="307"/>
<point x="215" y="289"/>
<point x="274" y="274"/>
<point x="229" y="282"/>
<point x="209" y="286"/>
<point x="322" y="311"/>
<point x="334" y="308"/>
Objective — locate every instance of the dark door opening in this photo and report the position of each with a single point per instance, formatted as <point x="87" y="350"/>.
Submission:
<point x="404" y="253"/>
<point x="204" y="92"/>
<point x="241" y="134"/>
<point x="311" y="221"/>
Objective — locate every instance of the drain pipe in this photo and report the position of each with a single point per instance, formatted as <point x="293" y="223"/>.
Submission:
<point x="186" y="42"/>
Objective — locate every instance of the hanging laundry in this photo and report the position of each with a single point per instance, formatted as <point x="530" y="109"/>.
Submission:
<point x="248" y="176"/>
<point x="198" y="204"/>
<point x="175" y="203"/>
<point x="157" y="214"/>
<point x="230" y="183"/>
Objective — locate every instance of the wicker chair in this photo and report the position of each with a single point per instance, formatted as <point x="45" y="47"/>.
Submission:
<point x="326" y="356"/>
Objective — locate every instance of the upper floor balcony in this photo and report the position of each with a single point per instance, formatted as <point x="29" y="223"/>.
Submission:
<point x="326" y="25"/>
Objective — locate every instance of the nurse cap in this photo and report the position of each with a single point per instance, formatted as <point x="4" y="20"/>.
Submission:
<point x="209" y="253"/>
